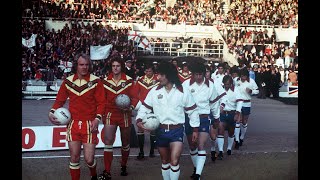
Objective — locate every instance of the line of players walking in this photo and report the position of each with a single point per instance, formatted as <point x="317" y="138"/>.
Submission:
<point x="223" y="103"/>
<point x="186" y="101"/>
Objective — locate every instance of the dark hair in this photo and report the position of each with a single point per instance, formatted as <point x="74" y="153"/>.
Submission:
<point x="244" y="72"/>
<point x="234" y="69"/>
<point x="148" y="66"/>
<point x="75" y="62"/>
<point x="197" y="67"/>
<point x="227" y="78"/>
<point x="170" y="71"/>
<point x="221" y="65"/>
<point x="119" y="60"/>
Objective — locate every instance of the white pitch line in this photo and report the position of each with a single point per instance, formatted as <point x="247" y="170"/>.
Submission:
<point x="118" y="155"/>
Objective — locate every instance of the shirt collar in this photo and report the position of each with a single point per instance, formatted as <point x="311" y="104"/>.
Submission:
<point x="86" y="77"/>
<point x="123" y="76"/>
<point x="192" y="80"/>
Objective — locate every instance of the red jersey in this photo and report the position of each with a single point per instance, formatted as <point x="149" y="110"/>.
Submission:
<point x="184" y="75"/>
<point x="144" y="85"/>
<point x="124" y="86"/>
<point x="86" y="97"/>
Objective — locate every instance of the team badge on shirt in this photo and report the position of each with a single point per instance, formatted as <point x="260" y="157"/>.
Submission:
<point x="160" y="96"/>
<point x="73" y="85"/>
<point x="123" y="84"/>
<point x="192" y="90"/>
<point x="154" y="82"/>
<point x="89" y="83"/>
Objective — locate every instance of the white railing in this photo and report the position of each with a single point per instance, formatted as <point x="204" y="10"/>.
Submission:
<point x="182" y="49"/>
<point x="37" y="89"/>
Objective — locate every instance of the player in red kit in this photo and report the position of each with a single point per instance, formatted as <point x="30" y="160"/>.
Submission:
<point x="144" y="85"/>
<point x="86" y="105"/>
<point x="117" y="83"/>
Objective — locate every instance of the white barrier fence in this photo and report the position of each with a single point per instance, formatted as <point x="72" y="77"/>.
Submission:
<point x="44" y="138"/>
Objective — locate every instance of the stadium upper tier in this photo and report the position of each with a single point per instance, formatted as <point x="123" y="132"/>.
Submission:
<point x="206" y="12"/>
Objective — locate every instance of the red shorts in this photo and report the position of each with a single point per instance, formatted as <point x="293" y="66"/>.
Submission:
<point x="122" y="120"/>
<point x="81" y="131"/>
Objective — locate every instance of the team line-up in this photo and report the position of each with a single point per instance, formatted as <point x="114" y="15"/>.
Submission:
<point x="186" y="101"/>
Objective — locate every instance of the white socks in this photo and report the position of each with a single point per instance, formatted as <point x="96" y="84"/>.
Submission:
<point x="237" y="132"/>
<point x="165" y="169"/>
<point x="220" y="140"/>
<point x="194" y="156"/>
<point x="202" y="155"/>
<point x="230" y="142"/>
<point x="213" y="145"/>
<point x="170" y="172"/>
<point x="243" y="128"/>
<point x="175" y="172"/>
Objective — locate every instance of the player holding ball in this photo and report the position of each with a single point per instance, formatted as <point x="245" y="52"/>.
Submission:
<point x="86" y="105"/>
<point x="115" y="84"/>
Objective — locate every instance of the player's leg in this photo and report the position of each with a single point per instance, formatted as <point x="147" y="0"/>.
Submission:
<point x="163" y="147"/>
<point x="89" y="141"/>
<point x="245" y="111"/>
<point x="237" y="132"/>
<point x="220" y="138"/>
<point x="213" y="137"/>
<point x="165" y="159"/>
<point x="230" y="126"/>
<point x="109" y="136"/>
<point x="74" y="144"/>
<point x="202" y="154"/>
<point x="192" y="146"/>
<point x="89" y="152"/>
<point x="74" y="166"/>
<point x="175" y="153"/>
<point x="140" y="134"/>
<point x="125" y="149"/>
<point x="152" y="143"/>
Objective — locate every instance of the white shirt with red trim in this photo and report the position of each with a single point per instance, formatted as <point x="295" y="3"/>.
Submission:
<point x="203" y="94"/>
<point x="231" y="101"/>
<point x="170" y="107"/>
<point x="245" y="96"/>
<point x="217" y="78"/>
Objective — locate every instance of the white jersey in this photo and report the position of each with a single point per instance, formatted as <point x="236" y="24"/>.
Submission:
<point x="217" y="78"/>
<point x="170" y="107"/>
<point x="203" y="94"/>
<point x="246" y="97"/>
<point x="232" y="100"/>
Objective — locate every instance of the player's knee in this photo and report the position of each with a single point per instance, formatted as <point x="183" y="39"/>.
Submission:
<point x="91" y="162"/>
<point x="165" y="161"/>
<point x="74" y="158"/>
<point x="125" y="147"/>
<point x="174" y="162"/>
<point x="109" y="140"/>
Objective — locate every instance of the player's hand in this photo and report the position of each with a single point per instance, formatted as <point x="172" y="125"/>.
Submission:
<point x="221" y="109"/>
<point x="237" y="117"/>
<point x="141" y="125"/>
<point x="125" y="110"/>
<point x="195" y="137"/>
<point x="248" y="90"/>
<point x="94" y="125"/>
<point x="53" y="119"/>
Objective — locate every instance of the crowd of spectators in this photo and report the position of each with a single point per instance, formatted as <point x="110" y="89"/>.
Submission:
<point x="204" y="12"/>
<point x="250" y="47"/>
<point x="53" y="47"/>
<point x="144" y="11"/>
<point x="263" y="12"/>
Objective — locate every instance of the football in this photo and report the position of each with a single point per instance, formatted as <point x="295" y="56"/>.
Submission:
<point x="151" y="121"/>
<point x="122" y="101"/>
<point x="63" y="115"/>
